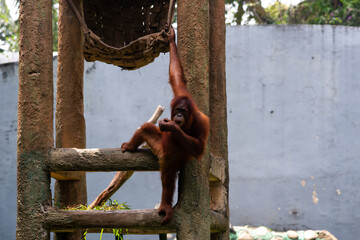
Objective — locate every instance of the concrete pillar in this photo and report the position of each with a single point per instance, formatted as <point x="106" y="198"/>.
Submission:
<point x="35" y="118"/>
<point x="219" y="191"/>
<point x="70" y="122"/>
<point x="193" y="46"/>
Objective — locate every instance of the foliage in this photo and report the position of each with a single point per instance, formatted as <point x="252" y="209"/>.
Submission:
<point x="247" y="11"/>
<point x="239" y="12"/>
<point x="55" y="19"/>
<point x="334" y="12"/>
<point x="118" y="233"/>
<point x="111" y="205"/>
<point x="278" y="12"/>
<point x="8" y="30"/>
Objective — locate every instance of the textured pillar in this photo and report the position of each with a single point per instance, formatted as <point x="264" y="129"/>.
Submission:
<point x="35" y="118"/>
<point x="70" y="122"/>
<point x="193" y="46"/>
<point x="219" y="191"/>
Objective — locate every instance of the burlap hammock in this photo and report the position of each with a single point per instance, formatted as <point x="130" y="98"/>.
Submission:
<point x="127" y="33"/>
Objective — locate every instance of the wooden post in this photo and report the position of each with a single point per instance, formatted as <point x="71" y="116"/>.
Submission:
<point x="35" y="118"/>
<point x="219" y="191"/>
<point x="193" y="222"/>
<point x="70" y="122"/>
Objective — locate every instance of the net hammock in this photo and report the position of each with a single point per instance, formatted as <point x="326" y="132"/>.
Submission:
<point x="127" y="33"/>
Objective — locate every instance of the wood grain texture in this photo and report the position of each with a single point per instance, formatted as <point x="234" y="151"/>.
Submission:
<point x="107" y="159"/>
<point x="144" y="221"/>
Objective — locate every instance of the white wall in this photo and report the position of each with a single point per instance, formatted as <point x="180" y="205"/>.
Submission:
<point x="293" y="118"/>
<point x="8" y="127"/>
<point x="293" y="96"/>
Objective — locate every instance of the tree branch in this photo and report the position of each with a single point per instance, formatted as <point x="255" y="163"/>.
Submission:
<point x="259" y="12"/>
<point x="121" y="177"/>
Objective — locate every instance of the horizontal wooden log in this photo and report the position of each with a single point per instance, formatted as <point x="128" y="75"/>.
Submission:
<point x="145" y="221"/>
<point x="68" y="176"/>
<point x="111" y="159"/>
<point x="101" y="160"/>
<point x="124" y="231"/>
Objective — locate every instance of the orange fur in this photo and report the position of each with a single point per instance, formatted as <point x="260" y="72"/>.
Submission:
<point x="172" y="144"/>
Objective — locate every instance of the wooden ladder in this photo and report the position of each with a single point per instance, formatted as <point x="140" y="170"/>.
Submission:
<point x="202" y="212"/>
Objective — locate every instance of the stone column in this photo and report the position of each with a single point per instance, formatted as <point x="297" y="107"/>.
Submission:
<point x="193" y="46"/>
<point x="219" y="191"/>
<point x="35" y="118"/>
<point x="70" y="122"/>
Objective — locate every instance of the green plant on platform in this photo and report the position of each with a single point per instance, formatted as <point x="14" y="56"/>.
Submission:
<point x="84" y="235"/>
<point x="111" y="205"/>
<point x="118" y="233"/>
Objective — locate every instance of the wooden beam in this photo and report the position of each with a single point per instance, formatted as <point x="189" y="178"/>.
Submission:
<point x="107" y="159"/>
<point x="65" y="176"/>
<point x="62" y="160"/>
<point x="144" y="221"/>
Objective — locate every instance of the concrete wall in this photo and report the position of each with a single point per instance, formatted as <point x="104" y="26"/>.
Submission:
<point x="293" y="128"/>
<point x="293" y="95"/>
<point x="8" y="126"/>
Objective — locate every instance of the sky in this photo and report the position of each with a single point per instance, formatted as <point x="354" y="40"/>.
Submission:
<point x="13" y="11"/>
